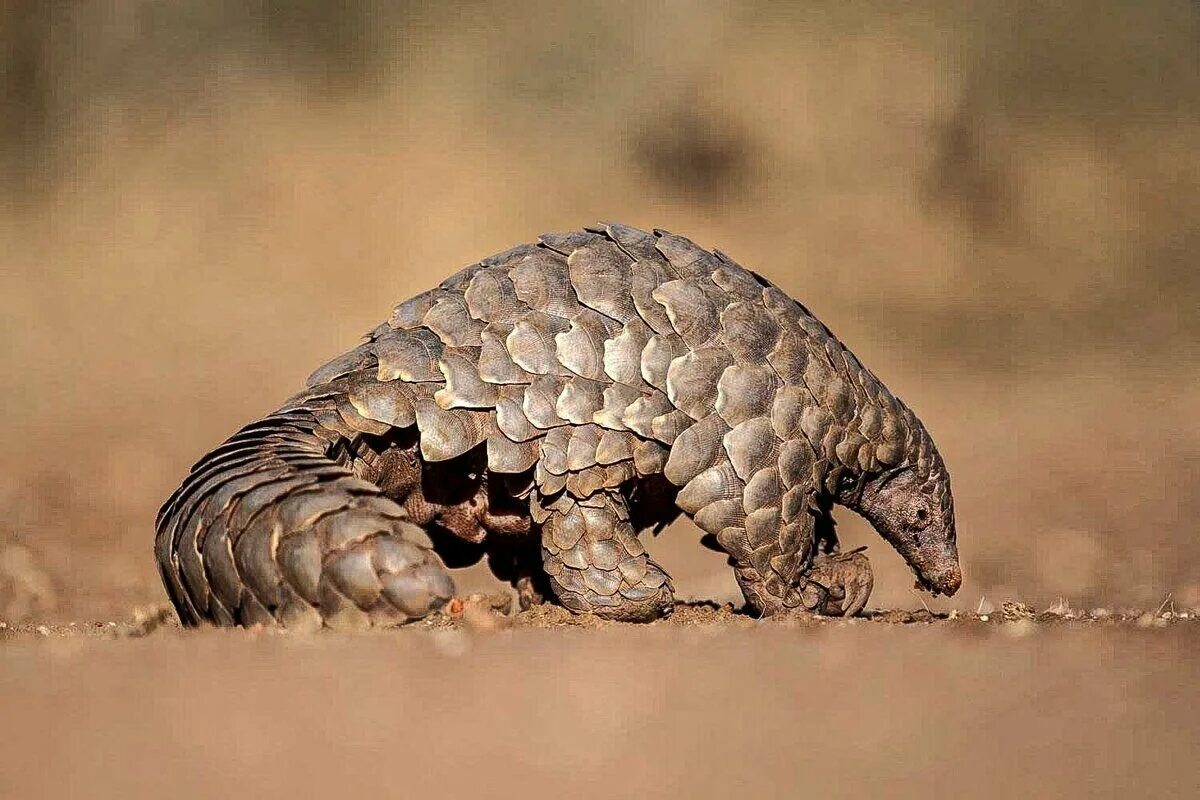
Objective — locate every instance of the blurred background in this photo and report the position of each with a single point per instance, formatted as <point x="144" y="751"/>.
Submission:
<point x="994" y="206"/>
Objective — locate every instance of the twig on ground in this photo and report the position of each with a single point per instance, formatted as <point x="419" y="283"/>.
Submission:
<point x="922" y="599"/>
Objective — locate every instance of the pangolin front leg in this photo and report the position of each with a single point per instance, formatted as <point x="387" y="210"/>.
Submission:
<point x="779" y="565"/>
<point x="844" y="580"/>
<point x="597" y="564"/>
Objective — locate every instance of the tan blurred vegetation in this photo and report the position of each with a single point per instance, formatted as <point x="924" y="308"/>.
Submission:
<point x="995" y="206"/>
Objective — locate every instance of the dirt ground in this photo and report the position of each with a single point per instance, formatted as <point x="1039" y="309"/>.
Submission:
<point x="708" y="704"/>
<point x="993" y="205"/>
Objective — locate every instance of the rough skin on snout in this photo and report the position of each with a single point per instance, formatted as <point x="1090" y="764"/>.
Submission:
<point x="548" y="404"/>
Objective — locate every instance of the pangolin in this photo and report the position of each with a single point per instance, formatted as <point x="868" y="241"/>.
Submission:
<point x="548" y="404"/>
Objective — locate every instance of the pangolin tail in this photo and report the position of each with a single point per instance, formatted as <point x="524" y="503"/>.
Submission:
<point x="274" y="526"/>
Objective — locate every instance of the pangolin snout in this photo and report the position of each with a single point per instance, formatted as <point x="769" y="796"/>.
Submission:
<point x="948" y="581"/>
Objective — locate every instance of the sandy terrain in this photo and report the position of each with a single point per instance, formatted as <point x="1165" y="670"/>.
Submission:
<point x="707" y="705"/>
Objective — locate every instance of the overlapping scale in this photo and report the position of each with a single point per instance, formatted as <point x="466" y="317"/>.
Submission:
<point x="688" y="259"/>
<point x="510" y="416"/>
<point x="453" y="323"/>
<point x="448" y="433"/>
<point x="409" y="355"/>
<point x="532" y="345"/>
<point x="645" y="280"/>
<point x="660" y="351"/>
<point x="601" y="275"/>
<point x="540" y="400"/>
<point x="750" y="332"/>
<point x="614" y="447"/>
<point x="581" y="347"/>
<point x="718" y="482"/>
<point x="693" y="378"/>
<point x="744" y="392"/>
<point x="491" y="297"/>
<point x="692" y="309"/>
<point x="579" y="400"/>
<point x="390" y="403"/>
<point x="567" y="242"/>
<point x="696" y="449"/>
<point x="638" y="244"/>
<point x="495" y="363"/>
<point x="623" y="353"/>
<point x="640" y="414"/>
<point x="614" y="401"/>
<point x="543" y="282"/>
<point x="464" y="388"/>
<point x="751" y="446"/>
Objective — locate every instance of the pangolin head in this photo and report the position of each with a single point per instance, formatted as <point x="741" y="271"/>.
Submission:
<point x="911" y="506"/>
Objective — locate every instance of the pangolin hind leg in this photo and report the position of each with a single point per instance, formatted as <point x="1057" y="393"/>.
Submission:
<point x="596" y="563"/>
<point x="518" y="561"/>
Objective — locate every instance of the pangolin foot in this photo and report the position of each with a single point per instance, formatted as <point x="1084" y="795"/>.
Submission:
<point x="847" y="580"/>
